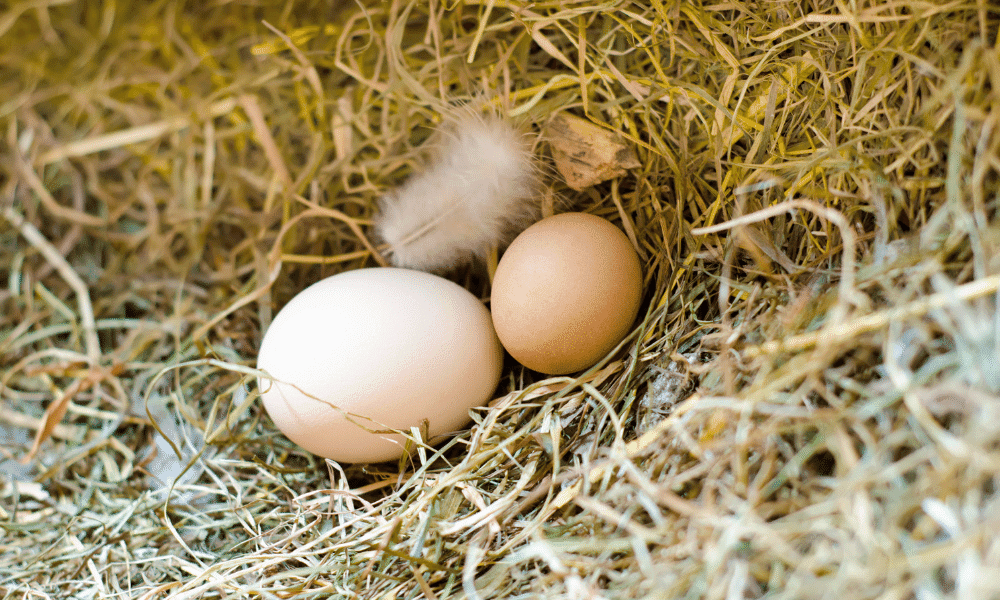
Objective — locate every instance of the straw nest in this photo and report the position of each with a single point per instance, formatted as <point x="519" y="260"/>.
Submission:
<point x="808" y="407"/>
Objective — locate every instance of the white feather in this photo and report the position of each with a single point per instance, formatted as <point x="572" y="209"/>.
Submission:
<point x="480" y="190"/>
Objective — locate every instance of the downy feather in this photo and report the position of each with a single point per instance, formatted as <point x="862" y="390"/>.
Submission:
<point x="480" y="190"/>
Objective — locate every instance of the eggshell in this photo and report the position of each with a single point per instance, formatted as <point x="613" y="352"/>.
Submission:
<point x="566" y="292"/>
<point x="379" y="348"/>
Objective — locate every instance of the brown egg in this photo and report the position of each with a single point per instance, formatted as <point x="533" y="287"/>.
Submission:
<point x="566" y="292"/>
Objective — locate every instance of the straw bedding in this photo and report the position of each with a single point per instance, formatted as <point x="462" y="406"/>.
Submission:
<point x="807" y="408"/>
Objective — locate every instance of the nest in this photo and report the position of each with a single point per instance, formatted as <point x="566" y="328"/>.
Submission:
<point x="807" y="408"/>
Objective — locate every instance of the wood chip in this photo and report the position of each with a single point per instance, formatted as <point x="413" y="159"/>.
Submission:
<point x="587" y="154"/>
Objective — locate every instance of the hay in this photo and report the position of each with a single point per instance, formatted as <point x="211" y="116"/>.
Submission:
<point x="808" y="408"/>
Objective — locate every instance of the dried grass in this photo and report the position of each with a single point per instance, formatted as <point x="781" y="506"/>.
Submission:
<point x="808" y="409"/>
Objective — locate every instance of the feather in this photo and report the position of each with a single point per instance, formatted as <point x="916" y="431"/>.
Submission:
<point x="480" y="190"/>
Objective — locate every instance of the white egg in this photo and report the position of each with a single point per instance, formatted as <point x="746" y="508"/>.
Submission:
<point x="374" y="349"/>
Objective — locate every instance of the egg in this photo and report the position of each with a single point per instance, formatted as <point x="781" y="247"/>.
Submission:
<point x="368" y="350"/>
<point x="566" y="292"/>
